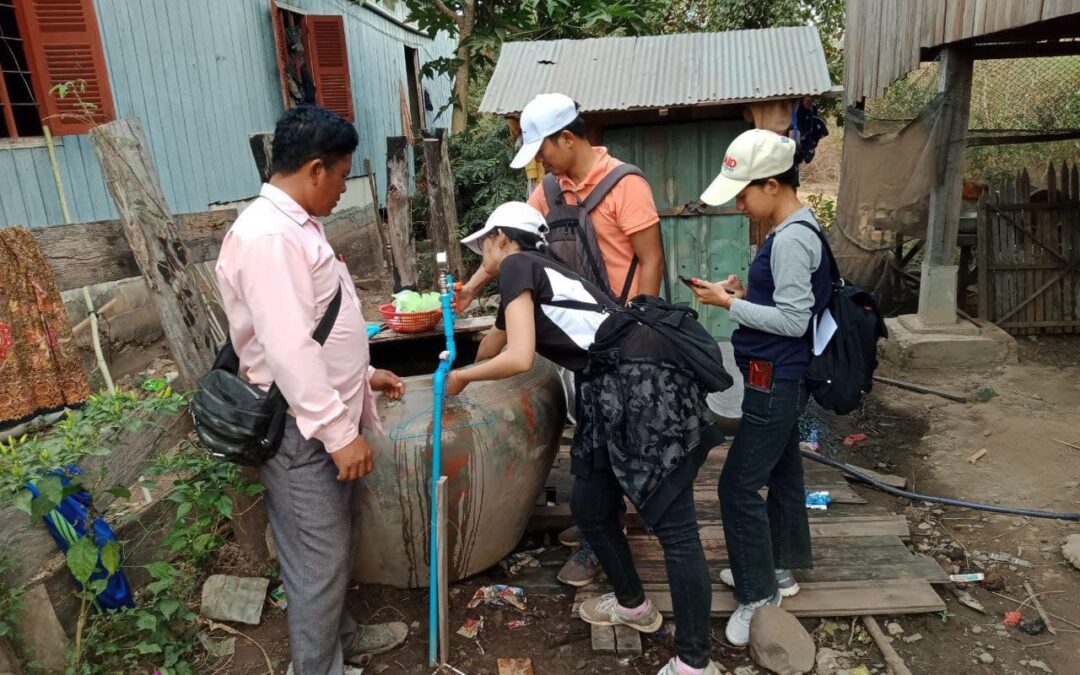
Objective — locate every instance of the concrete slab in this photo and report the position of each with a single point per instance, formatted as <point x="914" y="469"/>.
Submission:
<point x="914" y="345"/>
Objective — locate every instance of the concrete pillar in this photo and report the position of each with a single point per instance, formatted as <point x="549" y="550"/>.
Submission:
<point x="937" y="294"/>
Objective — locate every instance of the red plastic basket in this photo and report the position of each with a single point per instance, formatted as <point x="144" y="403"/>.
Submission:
<point x="410" y="322"/>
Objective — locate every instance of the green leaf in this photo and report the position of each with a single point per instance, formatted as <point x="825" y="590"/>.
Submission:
<point x="82" y="559"/>
<point x="158" y="586"/>
<point x="120" y="492"/>
<point x="147" y="484"/>
<point x="168" y="607"/>
<point x="40" y="508"/>
<point x="253" y="489"/>
<point x="147" y="647"/>
<point x="159" y="569"/>
<point x="147" y="622"/>
<point x="52" y="489"/>
<point x="23" y="500"/>
<point x="225" y="506"/>
<point x="110" y="557"/>
<point x="97" y="586"/>
<point x="183" y="510"/>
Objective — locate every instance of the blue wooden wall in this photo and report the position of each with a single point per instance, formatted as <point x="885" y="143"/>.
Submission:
<point x="202" y="75"/>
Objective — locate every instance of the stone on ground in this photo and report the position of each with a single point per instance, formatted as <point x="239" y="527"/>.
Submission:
<point x="1071" y="550"/>
<point x="238" y="599"/>
<point x="831" y="661"/>
<point x="779" y="643"/>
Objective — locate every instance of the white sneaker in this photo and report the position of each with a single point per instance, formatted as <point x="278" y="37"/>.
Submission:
<point x="672" y="668"/>
<point x="785" y="580"/>
<point x="738" y="626"/>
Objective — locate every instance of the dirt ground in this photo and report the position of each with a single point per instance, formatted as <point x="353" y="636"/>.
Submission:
<point x="925" y="438"/>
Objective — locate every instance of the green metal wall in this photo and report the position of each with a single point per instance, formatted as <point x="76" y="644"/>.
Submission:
<point x="680" y="160"/>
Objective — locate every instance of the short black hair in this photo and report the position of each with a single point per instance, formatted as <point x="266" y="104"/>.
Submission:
<point x="309" y="132"/>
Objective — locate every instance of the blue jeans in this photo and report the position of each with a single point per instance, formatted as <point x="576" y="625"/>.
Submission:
<point x="764" y="535"/>
<point x="597" y="505"/>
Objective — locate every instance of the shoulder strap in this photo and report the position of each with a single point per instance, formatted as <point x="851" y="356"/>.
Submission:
<point x="322" y="331"/>
<point x="834" y="271"/>
<point x="552" y="191"/>
<point x="608" y="182"/>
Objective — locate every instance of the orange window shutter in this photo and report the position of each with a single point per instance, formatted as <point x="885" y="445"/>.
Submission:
<point x="64" y="48"/>
<point x="329" y="62"/>
<point x="278" y="23"/>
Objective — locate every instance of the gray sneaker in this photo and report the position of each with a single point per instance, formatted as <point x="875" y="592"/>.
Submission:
<point x="375" y="639"/>
<point x="785" y="581"/>
<point x="604" y="611"/>
<point x="582" y="568"/>
<point x="570" y="537"/>
<point x="738" y="626"/>
<point x="672" y="668"/>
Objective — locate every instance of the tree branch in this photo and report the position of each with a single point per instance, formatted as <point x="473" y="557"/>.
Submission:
<point x="441" y="6"/>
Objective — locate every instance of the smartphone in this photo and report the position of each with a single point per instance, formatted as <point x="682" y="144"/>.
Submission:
<point x="688" y="281"/>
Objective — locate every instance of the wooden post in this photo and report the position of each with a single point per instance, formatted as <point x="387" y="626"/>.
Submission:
<point x="444" y="597"/>
<point x="155" y="240"/>
<point x="937" y="290"/>
<point x="443" y="211"/>
<point x="166" y="266"/>
<point x="262" y="148"/>
<point x="398" y="216"/>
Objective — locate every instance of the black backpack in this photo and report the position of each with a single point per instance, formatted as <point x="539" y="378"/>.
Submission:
<point x="572" y="237"/>
<point x="676" y="323"/>
<point x="844" y="371"/>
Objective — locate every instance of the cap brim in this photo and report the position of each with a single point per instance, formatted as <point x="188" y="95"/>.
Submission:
<point x="472" y="242"/>
<point x="525" y="154"/>
<point x="722" y="190"/>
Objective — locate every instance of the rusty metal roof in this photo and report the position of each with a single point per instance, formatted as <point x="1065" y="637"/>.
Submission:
<point x="633" y="73"/>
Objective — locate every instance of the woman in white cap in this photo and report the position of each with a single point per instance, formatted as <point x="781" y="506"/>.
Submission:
<point x="643" y="425"/>
<point x="788" y="284"/>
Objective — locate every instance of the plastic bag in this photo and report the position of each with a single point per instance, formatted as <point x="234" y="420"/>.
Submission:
<point x="411" y="301"/>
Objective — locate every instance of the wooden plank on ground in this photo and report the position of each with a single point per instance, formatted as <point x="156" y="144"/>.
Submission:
<point x="84" y="254"/>
<point x="829" y="523"/>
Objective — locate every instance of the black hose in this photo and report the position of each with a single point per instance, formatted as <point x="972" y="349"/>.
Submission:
<point x="978" y="506"/>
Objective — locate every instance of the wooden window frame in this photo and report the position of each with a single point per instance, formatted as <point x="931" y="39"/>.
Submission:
<point x="340" y="74"/>
<point x="64" y="39"/>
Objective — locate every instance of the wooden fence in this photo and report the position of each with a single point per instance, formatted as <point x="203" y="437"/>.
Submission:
<point x="1029" y="253"/>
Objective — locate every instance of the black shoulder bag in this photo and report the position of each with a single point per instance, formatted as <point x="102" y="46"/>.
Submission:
<point x="237" y="421"/>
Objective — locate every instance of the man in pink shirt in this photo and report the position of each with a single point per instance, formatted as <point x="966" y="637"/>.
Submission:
<point x="277" y="274"/>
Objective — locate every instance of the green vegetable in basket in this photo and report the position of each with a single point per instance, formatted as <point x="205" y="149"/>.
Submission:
<point x="411" y="301"/>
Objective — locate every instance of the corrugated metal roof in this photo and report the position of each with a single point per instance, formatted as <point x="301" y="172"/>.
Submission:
<point x="625" y="73"/>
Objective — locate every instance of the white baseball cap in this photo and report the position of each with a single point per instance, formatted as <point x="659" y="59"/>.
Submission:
<point x="543" y="116"/>
<point x="512" y="215"/>
<point x="754" y="154"/>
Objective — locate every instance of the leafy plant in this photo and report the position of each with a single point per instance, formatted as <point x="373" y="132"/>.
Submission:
<point x="824" y="209"/>
<point x="10" y="598"/>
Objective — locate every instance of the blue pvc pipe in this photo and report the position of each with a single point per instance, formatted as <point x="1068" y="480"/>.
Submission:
<point x="439" y="391"/>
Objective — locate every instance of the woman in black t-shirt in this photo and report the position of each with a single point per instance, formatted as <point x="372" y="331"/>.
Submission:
<point x="643" y="426"/>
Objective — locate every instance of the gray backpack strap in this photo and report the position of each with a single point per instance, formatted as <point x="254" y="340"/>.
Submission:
<point x="607" y="183"/>
<point x="552" y="191"/>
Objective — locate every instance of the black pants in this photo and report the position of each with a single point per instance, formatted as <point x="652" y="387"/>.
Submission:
<point x="763" y="535"/>
<point x="597" y="505"/>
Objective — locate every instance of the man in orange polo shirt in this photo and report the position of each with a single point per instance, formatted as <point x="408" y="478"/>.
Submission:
<point x="626" y="224"/>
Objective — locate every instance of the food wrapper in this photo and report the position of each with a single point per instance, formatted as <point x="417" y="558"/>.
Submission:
<point x="499" y="594"/>
<point x="516" y="624"/>
<point x="471" y="628"/>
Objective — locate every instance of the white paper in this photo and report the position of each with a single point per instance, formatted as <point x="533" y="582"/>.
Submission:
<point x="823" y="332"/>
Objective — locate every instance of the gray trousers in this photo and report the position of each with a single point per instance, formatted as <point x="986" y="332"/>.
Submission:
<point x="310" y="516"/>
